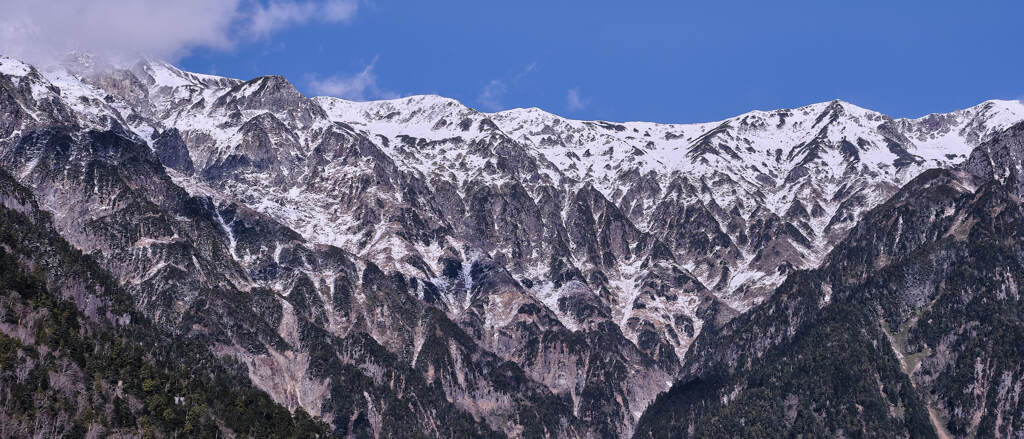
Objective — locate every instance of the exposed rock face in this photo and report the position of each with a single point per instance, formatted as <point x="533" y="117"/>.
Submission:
<point x="171" y="150"/>
<point x="78" y="360"/>
<point x="520" y="273"/>
<point x="909" y="328"/>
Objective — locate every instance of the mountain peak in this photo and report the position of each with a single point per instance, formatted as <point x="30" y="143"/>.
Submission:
<point x="270" y="92"/>
<point x="14" y="67"/>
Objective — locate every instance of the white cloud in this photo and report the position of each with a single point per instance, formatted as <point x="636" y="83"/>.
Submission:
<point x="490" y="96"/>
<point x="358" y="87"/>
<point x="264" y="20"/>
<point x="574" y="100"/>
<point x="339" y="10"/>
<point x="530" y="68"/>
<point x="41" y="31"/>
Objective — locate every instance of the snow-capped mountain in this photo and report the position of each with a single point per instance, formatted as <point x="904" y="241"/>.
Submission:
<point x="739" y="202"/>
<point x="910" y="327"/>
<point x="585" y="255"/>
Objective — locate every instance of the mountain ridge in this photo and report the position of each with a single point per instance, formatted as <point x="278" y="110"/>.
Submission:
<point x="576" y="260"/>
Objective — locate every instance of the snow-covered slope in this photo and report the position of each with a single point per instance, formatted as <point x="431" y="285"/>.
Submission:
<point x="800" y="164"/>
<point x="521" y="224"/>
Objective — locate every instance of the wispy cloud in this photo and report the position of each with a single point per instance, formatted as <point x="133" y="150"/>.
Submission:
<point x="530" y="68"/>
<point x="264" y="20"/>
<point x="46" y="31"/>
<point x="492" y="93"/>
<point x="574" y="100"/>
<point x="490" y="96"/>
<point x="358" y="87"/>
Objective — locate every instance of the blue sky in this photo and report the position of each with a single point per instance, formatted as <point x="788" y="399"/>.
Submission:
<point x="659" y="61"/>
